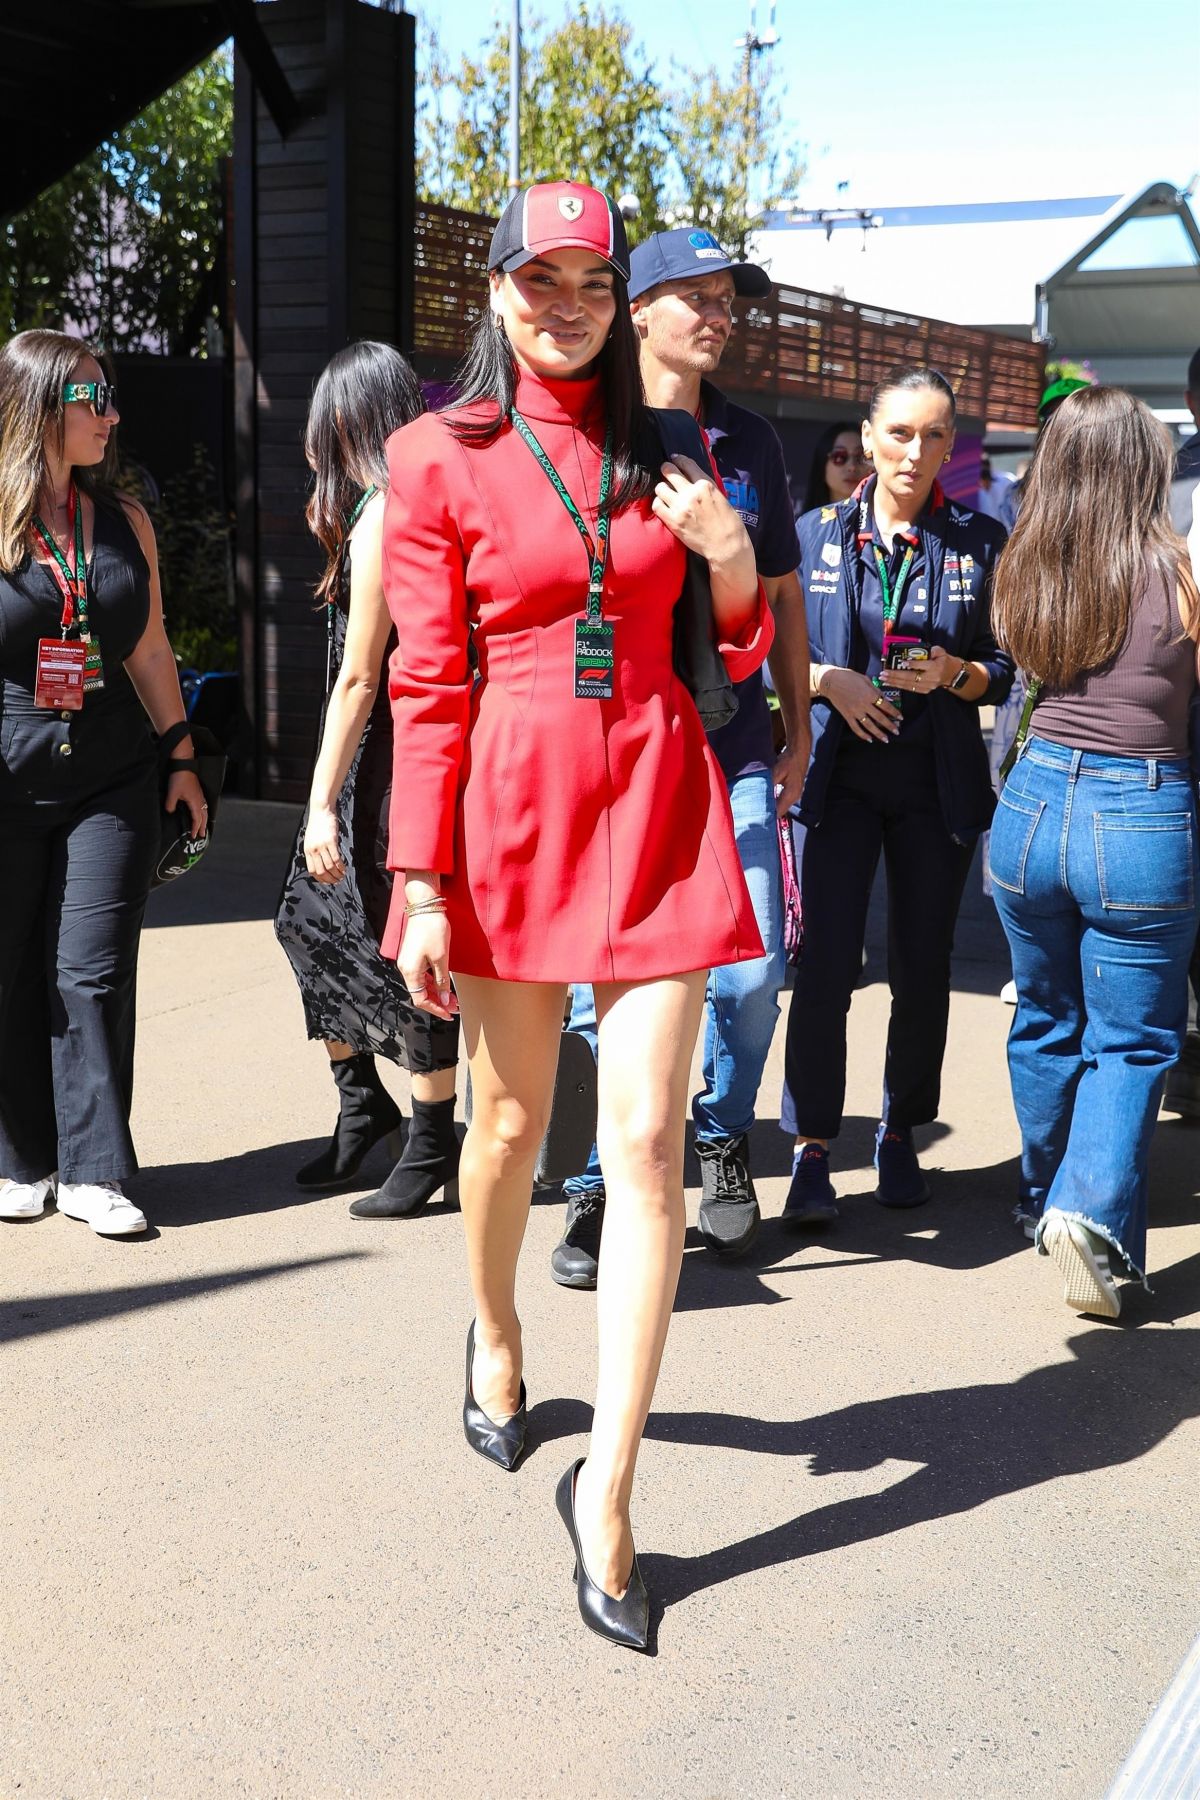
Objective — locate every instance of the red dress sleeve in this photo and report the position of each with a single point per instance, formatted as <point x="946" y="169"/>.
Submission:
<point x="429" y="678"/>
<point x="750" y="649"/>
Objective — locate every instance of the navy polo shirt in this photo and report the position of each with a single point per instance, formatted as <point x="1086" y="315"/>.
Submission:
<point x="749" y="459"/>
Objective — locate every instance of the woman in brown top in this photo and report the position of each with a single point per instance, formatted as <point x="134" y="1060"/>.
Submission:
<point x="1093" y="852"/>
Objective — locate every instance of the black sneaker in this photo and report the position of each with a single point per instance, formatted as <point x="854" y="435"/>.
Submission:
<point x="729" y="1215"/>
<point x="574" y="1258"/>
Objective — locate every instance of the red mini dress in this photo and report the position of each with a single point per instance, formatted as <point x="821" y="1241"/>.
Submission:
<point x="577" y="840"/>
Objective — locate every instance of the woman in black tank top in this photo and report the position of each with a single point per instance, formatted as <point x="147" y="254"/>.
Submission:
<point x="85" y="672"/>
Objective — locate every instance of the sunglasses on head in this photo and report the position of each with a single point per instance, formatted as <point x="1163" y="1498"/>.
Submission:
<point x="839" y="457"/>
<point x="100" y="395"/>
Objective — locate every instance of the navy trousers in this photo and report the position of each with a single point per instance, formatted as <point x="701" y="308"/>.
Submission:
<point x="76" y="874"/>
<point x="883" y="799"/>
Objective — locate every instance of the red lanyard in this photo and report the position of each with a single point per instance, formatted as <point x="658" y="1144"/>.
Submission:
<point x="72" y="584"/>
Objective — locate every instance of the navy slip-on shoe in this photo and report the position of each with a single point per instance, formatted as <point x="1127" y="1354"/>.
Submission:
<point x="901" y="1182"/>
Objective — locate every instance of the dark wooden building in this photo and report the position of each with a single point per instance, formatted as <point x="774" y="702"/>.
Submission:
<point x="322" y="227"/>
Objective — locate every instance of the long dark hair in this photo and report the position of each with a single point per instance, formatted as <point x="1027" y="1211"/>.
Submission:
<point x="35" y="366"/>
<point x="363" y="394"/>
<point x="489" y="374"/>
<point x="1096" y="512"/>
<point x="817" y="492"/>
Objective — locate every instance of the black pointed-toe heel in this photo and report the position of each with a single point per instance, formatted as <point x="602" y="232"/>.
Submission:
<point x="501" y="1444"/>
<point x="625" y="1621"/>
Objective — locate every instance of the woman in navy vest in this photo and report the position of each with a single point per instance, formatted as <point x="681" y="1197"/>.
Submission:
<point x="896" y="581"/>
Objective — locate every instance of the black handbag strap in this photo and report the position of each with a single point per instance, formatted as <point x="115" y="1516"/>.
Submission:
<point x="175" y="734"/>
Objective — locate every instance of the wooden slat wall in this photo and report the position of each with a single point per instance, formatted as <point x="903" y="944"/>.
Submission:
<point x="794" y="345"/>
<point x="321" y="260"/>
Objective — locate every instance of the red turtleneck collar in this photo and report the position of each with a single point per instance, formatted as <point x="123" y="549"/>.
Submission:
<point x="558" y="402"/>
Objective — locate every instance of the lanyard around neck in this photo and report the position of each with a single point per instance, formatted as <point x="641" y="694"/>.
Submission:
<point x="71" y="583"/>
<point x="597" y="551"/>
<point x="893" y="597"/>
<point x="356" y="514"/>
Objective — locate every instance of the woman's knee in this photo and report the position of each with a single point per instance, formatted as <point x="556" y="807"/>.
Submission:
<point x="508" y="1132"/>
<point x="645" y="1154"/>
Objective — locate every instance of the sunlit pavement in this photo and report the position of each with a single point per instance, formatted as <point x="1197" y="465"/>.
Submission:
<point x="914" y="1529"/>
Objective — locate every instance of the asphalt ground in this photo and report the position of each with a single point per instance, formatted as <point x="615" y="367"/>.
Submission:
<point x="914" y="1529"/>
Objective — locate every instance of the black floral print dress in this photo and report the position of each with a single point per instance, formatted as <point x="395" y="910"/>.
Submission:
<point x="330" y="933"/>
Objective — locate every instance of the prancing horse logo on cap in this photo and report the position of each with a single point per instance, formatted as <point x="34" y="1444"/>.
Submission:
<point x="570" y="206"/>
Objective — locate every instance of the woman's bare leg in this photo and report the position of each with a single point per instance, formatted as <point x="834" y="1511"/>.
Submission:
<point x="647" y="1034"/>
<point x="430" y="1089"/>
<point x="511" y="1030"/>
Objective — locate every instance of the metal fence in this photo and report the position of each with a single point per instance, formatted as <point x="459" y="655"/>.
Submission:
<point x="794" y="345"/>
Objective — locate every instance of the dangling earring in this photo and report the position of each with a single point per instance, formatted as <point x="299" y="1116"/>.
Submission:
<point x="945" y="460"/>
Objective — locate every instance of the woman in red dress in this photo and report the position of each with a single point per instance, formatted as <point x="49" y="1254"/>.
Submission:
<point x="558" y="815"/>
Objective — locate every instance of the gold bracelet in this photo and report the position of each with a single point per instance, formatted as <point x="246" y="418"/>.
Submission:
<point x="419" y="906"/>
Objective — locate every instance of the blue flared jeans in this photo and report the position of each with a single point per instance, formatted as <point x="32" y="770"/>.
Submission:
<point x="1094" y="874"/>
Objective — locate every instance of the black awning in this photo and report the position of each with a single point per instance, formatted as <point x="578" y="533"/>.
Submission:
<point x="72" y="71"/>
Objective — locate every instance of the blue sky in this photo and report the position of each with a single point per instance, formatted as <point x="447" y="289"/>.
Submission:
<point x="999" y="99"/>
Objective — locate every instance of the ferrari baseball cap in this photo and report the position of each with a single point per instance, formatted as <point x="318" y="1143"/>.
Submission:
<point x="674" y="255"/>
<point x="559" y="215"/>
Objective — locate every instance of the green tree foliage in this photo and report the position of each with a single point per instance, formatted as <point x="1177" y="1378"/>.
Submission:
<point x="589" y="104"/>
<point x="127" y="247"/>
<point x="697" y="149"/>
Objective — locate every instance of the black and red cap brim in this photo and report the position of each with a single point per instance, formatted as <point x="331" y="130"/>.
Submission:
<point x="559" y="215"/>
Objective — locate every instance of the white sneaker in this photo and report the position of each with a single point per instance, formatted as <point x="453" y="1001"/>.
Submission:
<point x="1082" y="1259"/>
<point x="102" y="1205"/>
<point x="26" y="1199"/>
<point x="1008" y="993"/>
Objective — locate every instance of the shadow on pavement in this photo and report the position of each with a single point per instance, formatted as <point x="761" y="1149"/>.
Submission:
<point x="966" y="1225"/>
<point x="241" y="875"/>
<point x="35" y="1316"/>
<point x="234" y="1187"/>
<point x="1123" y="1392"/>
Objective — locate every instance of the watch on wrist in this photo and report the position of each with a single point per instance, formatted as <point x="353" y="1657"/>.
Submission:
<point x="961" y="679"/>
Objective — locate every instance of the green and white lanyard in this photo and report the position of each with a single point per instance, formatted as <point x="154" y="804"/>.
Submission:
<point x="594" y="654"/>
<point x="72" y="585"/>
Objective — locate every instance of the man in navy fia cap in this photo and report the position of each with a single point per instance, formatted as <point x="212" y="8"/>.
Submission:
<point x="682" y="286"/>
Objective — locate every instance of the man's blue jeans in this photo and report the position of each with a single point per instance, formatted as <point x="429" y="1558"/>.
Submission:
<point x="741" y="1005"/>
<point x="1094" y="874"/>
<point x="742" y="1000"/>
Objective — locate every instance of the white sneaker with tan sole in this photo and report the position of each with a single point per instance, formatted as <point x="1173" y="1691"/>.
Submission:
<point x="102" y="1205"/>
<point x="1081" y="1257"/>
<point x="26" y="1199"/>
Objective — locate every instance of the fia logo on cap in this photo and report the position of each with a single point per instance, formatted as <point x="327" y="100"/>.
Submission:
<point x="705" y="245"/>
<point x="570" y="206"/>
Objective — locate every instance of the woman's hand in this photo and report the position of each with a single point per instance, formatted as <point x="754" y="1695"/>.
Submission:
<point x="941" y="669"/>
<point x="694" y="509"/>
<point x="321" y="852"/>
<point x="424" y="964"/>
<point x="183" y="789"/>
<point x="869" y="716"/>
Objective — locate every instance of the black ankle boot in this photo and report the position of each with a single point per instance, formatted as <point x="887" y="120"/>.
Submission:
<point x="367" y="1114"/>
<point x="430" y="1162"/>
